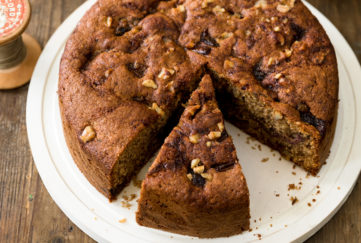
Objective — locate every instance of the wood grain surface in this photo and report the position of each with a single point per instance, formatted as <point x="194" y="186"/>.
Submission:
<point x="27" y="212"/>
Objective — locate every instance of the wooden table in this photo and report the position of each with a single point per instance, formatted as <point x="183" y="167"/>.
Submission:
<point x="27" y="212"/>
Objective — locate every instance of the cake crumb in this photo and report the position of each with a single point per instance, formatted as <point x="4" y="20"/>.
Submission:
<point x="276" y="171"/>
<point x="309" y="204"/>
<point x="264" y="160"/>
<point x="313" y="200"/>
<point x="122" y="220"/>
<point x="338" y="188"/>
<point x="126" y="204"/>
<point x="250" y="230"/>
<point x="259" y="147"/>
<point x="293" y="187"/>
<point x="253" y="148"/>
<point x="294" y="200"/>
<point x="293" y="173"/>
<point x="318" y="192"/>
<point x="280" y="158"/>
<point x="317" y="186"/>
<point x="270" y="225"/>
<point x="294" y="167"/>
<point x="137" y="183"/>
<point x="277" y="195"/>
<point x="274" y="155"/>
<point x="286" y="225"/>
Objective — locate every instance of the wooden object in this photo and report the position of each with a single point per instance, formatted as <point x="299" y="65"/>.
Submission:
<point x="20" y="73"/>
<point x="27" y="212"/>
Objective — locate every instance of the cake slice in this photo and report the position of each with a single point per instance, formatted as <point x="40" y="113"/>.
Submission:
<point x="195" y="185"/>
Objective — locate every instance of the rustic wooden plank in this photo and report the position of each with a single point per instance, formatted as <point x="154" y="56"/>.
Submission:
<point x="27" y="212"/>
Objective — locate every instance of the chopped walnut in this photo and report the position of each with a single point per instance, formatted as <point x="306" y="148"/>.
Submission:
<point x="270" y="61"/>
<point x="192" y="109"/>
<point x="181" y="8"/>
<point x="281" y="39"/>
<point x="220" y="126"/>
<point x="277" y="29"/>
<point x="170" y="86"/>
<point x="288" y="52"/>
<point x="156" y="108"/>
<point x="278" y="75"/>
<point x="248" y="32"/>
<point x="108" y="72"/>
<point x="88" y="134"/>
<point x="195" y="163"/>
<point x="284" y="8"/>
<point x="149" y="84"/>
<point x="189" y="175"/>
<point x="277" y="115"/>
<point x="214" y="135"/>
<point x="166" y="73"/>
<point x="194" y="138"/>
<point x="109" y="21"/>
<point x="218" y="10"/>
<point x="207" y="176"/>
<point x="204" y="4"/>
<point x="274" y="19"/>
<point x="170" y="50"/>
<point x="261" y="4"/>
<point x="198" y="169"/>
<point x="226" y="35"/>
<point x="209" y="143"/>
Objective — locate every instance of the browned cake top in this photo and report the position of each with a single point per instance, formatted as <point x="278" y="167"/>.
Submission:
<point x="127" y="56"/>
<point x="200" y="157"/>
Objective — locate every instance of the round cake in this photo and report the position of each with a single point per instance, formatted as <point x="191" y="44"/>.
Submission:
<point x="130" y="65"/>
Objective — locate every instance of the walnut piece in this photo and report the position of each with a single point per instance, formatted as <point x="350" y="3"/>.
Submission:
<point x="195" y="163"/>
<point x="214" y="135"/>
<point x="166" y="73"/>
<point x="207" y="176"/>
<point x="88" y="134"/>
<point x="156" y="108"/>
<point x="149" y="84"/>
<point x="220" y="126"/>
<point x="109" y="21"/>
<point x="194" y="138"/>
<point x="198" y="169"/>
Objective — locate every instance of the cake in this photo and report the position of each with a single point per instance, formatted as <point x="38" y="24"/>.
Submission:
<point x="130" y="64"/>
<point x="118" y="91"/>
<point x="196" y="186"/>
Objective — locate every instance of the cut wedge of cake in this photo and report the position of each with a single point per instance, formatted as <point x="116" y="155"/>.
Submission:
<point x="196" y="179"/>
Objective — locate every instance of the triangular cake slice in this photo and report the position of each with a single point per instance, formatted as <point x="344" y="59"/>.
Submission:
<point x="195" y="185"/>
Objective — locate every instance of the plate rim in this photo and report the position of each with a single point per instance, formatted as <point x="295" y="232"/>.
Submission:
<point x="37" y="142"/>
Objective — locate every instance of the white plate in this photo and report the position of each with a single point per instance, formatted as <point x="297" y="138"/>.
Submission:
<point x="273" y="217"/>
